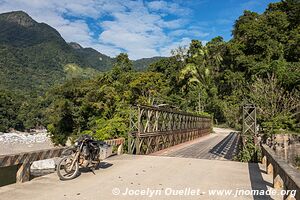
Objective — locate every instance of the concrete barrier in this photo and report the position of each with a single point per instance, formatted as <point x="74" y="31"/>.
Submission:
<point x="284" y="176"/>
<point x="24" y="160"/>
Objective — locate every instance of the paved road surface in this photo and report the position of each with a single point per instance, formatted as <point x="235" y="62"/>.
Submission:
<point x="143" y="172"/>
<point x="159" y="174"/>
<point x="221" y="145"/>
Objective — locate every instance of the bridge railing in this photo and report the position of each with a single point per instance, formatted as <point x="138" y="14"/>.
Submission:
<point x="284" y="176"/>
<point x="24" y="160"/>
<point x="156" y="128"/>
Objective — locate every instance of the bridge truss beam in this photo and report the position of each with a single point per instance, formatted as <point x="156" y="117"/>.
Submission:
<point x="249" y="119"/>
<point x="154" y="128"/>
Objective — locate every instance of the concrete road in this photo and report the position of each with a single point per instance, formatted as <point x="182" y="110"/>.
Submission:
<point x="220" y="145"/>
<point x="179" y="172"/>
<point x="163" y="177"/>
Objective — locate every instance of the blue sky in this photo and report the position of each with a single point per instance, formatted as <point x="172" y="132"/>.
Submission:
<point x="139" y="28"/>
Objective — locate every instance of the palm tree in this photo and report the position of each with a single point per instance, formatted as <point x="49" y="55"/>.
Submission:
<point x="202" y="63"/>
<point x="196" y="71"/>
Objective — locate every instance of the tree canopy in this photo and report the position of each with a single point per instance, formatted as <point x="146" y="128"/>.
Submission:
<point x="259" y="65"/>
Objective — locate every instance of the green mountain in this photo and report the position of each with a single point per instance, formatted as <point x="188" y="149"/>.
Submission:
<point x="92" y="58"/>
<point x="34" y="56"/>
<point x="143" y="63"/>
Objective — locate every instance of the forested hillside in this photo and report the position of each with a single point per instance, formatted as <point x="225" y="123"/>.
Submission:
<point x="34" y="57"/>
<point x="259" y="65"/>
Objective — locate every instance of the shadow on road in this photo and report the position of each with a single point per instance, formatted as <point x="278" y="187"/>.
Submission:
<point x="104" y="165"/>
<point x="227" y="148"/>
<point x="101" y="165"/>
<point x="257" y="181"/>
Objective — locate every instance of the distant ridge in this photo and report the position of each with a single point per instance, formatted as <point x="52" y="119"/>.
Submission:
<point x="34" y="56"/>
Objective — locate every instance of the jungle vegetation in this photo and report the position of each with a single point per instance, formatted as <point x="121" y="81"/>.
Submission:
<point x="260" y="65"/>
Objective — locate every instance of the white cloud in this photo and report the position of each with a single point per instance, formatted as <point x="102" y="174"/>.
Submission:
<point x="184" y="42"/>
<point x="204" y="42"/>
<point x="52" y="14"/>
<point x="106" y="49"/>
<point x="139" y="32"/>
<point x="138" y="27"/>
<point x="167" y="7"/>
<point x="75" y="31"/>
<point x="189" y="32"/>
<point x="172" y="24"/>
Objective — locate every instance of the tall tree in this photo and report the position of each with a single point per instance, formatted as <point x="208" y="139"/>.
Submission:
<point x="123" y="62"/>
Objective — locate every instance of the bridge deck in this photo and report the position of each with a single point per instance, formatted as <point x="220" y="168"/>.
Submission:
<point x="175" y="168"/>
<point x="142" y="172"/>
<point x="222" y="145"/>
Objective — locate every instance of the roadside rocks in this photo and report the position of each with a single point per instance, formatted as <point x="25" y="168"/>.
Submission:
<point x="43" y="164"/>
<point x="17" y="142"/>
<point x="17" y="137"/>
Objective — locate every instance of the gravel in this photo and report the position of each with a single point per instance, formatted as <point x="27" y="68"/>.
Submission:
<point x="16" y="142"/>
